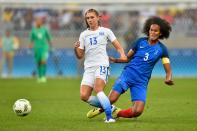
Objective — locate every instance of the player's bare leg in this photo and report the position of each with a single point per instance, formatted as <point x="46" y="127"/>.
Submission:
<point x="43" y="71"/>
<point x="85" y="92"/>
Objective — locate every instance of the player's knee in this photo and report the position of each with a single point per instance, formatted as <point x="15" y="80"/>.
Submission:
<point x="84" y="97"/>
<point x="98" y="89"/>
<point x="42" y="62"/>
<point x="137" y="112"/>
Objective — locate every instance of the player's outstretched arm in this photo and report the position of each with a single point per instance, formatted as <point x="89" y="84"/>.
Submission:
<point x="78" y="52"/>
<point x="168" y="71"/>
<point x="118" y="60"/>
<point x="124" y="59"/>
<point x="119" y="48"/>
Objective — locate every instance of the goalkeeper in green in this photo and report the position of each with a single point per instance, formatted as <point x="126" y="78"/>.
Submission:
<point x="41" y="43"/>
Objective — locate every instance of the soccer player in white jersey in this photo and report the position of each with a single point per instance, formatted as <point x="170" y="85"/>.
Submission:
<point x="92" y="45"/>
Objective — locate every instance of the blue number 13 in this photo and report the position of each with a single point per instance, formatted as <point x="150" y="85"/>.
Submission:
<point x="93" y="41"/>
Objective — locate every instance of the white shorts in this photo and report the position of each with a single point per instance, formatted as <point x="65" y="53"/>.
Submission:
<point x="92" y="73"/>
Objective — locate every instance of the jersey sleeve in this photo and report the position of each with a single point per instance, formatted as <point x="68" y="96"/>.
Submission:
<point x="82" y="41"/>
<point x="164" y="57"/>
<point x="110" y="35"/>
<point x="164" y="52"/>
<point x="134" y="45"/>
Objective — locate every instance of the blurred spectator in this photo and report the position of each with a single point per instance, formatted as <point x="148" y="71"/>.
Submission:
<point x="7" y="18"/>
<point x="192" y="21"/>
<point x="105" y="19"/>
<point x="132" y="32"/>
<point x="77" y="20"/>
<point x="65" y="19"/>
<point x="117" y="21"/>
<point x="167" y="16"/>
<point x="182" y="22"/>
<point x="28" y="18"/>
<point x="18" y="19"/>
<point x="9" y="43"/>
<point x="41" y="13"/>
<point x="69" y="22"/>
<point x="54" y="21"/>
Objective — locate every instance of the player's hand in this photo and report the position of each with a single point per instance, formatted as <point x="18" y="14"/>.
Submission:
<point x="112" y="59"/>
<point x="77" y="44"/>
<point x="169" y="82"/>
<point x="124" y="58"/>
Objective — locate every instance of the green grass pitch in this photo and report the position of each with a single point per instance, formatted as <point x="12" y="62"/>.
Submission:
<point x="56" y="106"/>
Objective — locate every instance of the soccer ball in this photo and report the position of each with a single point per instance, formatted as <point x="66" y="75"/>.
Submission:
<point x="22" y="107"/>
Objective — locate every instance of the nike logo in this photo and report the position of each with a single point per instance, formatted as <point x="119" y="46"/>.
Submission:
<point x="141" y="46"/>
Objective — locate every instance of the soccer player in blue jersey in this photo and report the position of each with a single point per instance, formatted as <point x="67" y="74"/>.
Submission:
<point x="136" y="74"/>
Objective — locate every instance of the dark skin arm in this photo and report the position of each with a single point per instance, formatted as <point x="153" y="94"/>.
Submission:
<point x="168" y="71"/>
<point x="122" y="60"/>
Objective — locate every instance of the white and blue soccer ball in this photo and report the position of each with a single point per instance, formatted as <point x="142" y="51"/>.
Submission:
<point x="22" y="107"/>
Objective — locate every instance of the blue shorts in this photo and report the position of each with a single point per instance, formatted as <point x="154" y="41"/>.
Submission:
<point x="138" y="91"/>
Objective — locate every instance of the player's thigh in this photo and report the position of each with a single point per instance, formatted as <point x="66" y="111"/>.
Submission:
<point x="6" y="55"/>
<point x="138" y="92"/>
<point x="87" y="84"/>
<point x="88" y="78"/>
<point x="37" y="56"/>
<point x="44" y="57"/>
<point x="120" y="86"/>
<point x="101" y="78"/>
<point x="3" y="57"/>
<point x="102" y="72"/>
<point x="99" y="85"/>
<point x="10" y="56"/>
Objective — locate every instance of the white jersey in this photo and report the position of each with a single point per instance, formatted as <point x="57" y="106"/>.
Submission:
<point x="94" y="43"/>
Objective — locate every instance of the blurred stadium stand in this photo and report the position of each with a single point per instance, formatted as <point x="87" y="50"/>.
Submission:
<point x="65" y="21"/>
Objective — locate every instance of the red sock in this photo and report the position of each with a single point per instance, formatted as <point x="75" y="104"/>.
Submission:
<point x="125" y="113"/>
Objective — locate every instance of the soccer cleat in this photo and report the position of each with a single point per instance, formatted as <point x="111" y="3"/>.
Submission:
<point x="94" y="112"/>
<point x="111" y="120"/>
<point x="115" y="112"/>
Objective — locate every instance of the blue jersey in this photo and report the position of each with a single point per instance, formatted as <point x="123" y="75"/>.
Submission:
<point x="145" y="57"/>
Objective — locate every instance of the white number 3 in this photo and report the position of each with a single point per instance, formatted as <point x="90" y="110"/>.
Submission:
<point x="146" y="56"/>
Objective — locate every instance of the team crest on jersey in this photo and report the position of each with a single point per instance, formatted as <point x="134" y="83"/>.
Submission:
<point x="101" y="33"/>
<point x="156" y="52"/>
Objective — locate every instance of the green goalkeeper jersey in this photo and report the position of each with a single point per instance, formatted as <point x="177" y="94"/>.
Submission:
<point x="40" y="37"/>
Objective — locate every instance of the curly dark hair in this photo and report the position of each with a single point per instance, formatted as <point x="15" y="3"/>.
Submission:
<point x="165" y="27"/>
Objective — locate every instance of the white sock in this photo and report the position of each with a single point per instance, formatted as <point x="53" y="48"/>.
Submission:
<point x="105" y="104"/>
<point x="93" y="100"/>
